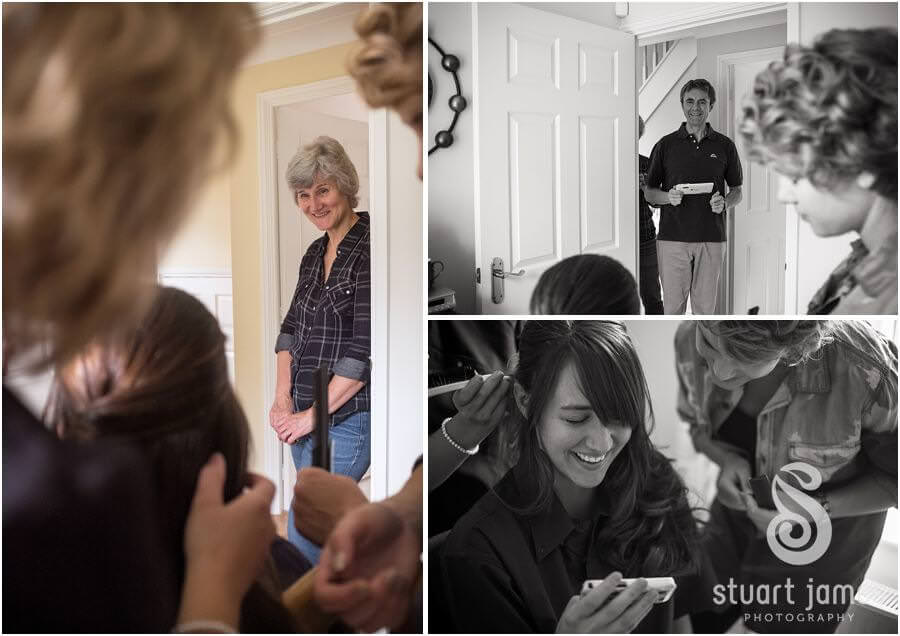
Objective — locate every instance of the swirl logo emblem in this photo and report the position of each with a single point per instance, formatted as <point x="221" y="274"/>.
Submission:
<point x="803" y="549"/>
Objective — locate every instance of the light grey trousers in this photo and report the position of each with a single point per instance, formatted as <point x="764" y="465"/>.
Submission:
<point x="690" y="269"/>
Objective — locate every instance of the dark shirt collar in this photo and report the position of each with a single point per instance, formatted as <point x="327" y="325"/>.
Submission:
<point x="549" y="527"/>
<point x="353" y="236"/>
<point x="684" y="134"/>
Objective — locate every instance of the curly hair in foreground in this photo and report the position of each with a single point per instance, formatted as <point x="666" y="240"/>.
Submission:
<point x="651" y="530"/>
<point x="829" y="112"/>
<point x="387" y="64"/>
<point x="792" y="341"/>
<point x="112" y="116"/>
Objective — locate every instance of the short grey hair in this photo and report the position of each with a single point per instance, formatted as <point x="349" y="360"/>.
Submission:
<point x="324" y="158"/>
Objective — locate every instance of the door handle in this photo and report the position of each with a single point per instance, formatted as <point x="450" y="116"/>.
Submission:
<point x="497" y="276"/>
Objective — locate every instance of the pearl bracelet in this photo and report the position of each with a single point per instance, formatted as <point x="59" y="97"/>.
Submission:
<point x="454" y="443"/>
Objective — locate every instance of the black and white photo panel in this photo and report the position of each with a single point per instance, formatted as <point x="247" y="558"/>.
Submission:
<point x="660" y="476"/>
<point x="639" y="158"/>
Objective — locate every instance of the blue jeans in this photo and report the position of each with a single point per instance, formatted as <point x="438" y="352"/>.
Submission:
<point x="350" y="444"/>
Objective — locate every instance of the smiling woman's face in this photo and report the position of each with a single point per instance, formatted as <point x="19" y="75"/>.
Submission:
<point x="580" y="446"/>
<point x="323" y="204"/>
<point x="728" y="372"/>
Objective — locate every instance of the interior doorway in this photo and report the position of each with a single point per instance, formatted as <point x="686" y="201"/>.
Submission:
<point x="290" y="118"/>
<point x="728" y="53"/>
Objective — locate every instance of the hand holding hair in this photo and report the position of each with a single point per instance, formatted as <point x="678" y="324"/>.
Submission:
<point x="225" y="545"/>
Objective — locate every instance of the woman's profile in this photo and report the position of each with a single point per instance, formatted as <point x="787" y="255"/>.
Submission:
<point x="825" y="117"/>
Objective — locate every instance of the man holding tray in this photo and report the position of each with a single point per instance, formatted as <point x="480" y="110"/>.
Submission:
<point x="689" y="169"/>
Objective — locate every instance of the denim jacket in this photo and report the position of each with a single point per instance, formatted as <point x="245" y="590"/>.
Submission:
<point x="836" y="412"/>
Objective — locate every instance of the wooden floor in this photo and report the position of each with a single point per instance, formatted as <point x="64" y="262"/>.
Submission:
<point x="281" y="523"/>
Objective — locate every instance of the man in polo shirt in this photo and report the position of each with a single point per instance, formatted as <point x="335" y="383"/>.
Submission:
<point x="691" y="240"/>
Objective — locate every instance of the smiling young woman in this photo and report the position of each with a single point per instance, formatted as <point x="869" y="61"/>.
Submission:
<point x="589" y="497"/>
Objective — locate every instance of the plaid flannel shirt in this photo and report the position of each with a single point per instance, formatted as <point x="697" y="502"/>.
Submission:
<point x="329" y="321"/>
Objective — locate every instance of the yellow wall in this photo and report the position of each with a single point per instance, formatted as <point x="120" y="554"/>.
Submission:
<point x="204" y="242"/>
<point x="246" y="259"/>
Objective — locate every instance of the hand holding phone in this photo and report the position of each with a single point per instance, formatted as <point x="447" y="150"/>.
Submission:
<point x="663" y="586"/>
<point x="598" y="612"/>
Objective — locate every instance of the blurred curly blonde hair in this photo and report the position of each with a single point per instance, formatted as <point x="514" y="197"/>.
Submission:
<point x="387" y="63"/>
<point x="829" y="112"/>
<point x="791" y="341"/>
<point x="113" y="115"/>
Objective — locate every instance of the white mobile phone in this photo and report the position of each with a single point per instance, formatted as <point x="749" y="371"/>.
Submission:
<point x="694" y="188"/>
<point x="664" y="586"/>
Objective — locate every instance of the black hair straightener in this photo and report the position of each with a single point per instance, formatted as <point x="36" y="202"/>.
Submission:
<point x="322" y="452"/>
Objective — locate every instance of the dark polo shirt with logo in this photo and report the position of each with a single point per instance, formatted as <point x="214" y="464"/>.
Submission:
<point x="680" y="158"/>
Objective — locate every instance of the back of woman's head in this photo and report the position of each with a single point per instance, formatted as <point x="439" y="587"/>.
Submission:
<point x="651" y="524"/>
<point x="586" y="284"/>
<point x="112" y="114"/>
<point x="163" y="386"/>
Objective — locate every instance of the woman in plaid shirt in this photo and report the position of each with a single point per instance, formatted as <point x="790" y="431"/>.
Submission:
<point x="328" y="320"/>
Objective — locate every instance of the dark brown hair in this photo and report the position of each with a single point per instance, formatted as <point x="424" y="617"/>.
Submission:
<point x="163" y="386"/>
<point x="651" y="530"/>
<point x="586" y="284"/>
<point x="702" y="85"/>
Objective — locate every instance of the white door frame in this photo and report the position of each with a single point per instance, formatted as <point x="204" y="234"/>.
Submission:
<point x="724" y="82"/>
<point x="269" y="182"/>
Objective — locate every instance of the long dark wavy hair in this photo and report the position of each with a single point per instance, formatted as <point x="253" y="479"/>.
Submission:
<point x="163" y="387"/>
<point x="651" y="530"/>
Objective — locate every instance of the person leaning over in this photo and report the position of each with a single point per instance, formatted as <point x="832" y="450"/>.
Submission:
<point x="760" y="395"/>
<point x="692" y="229"/>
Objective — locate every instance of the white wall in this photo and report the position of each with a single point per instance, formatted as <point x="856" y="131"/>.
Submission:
<point x="819" y="256"/>
<point x="204" y="241"/>
<point x="402" y="354"/>
<point x="599" y="13"/>
<point x="668" y="115"/>
<point x="708" y="50"/>
<point x="451" y="180"/>
<point x="655" y="344"/>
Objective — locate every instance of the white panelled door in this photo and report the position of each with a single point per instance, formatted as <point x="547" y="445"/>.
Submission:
<point x="759" y="219"/>
<point x="556" y="159"/>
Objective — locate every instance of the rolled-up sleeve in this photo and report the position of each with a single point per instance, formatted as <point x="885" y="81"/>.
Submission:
<point x="285" y="339"/>
<point x="879" y="421"/>
<point x="355" y="362"/>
